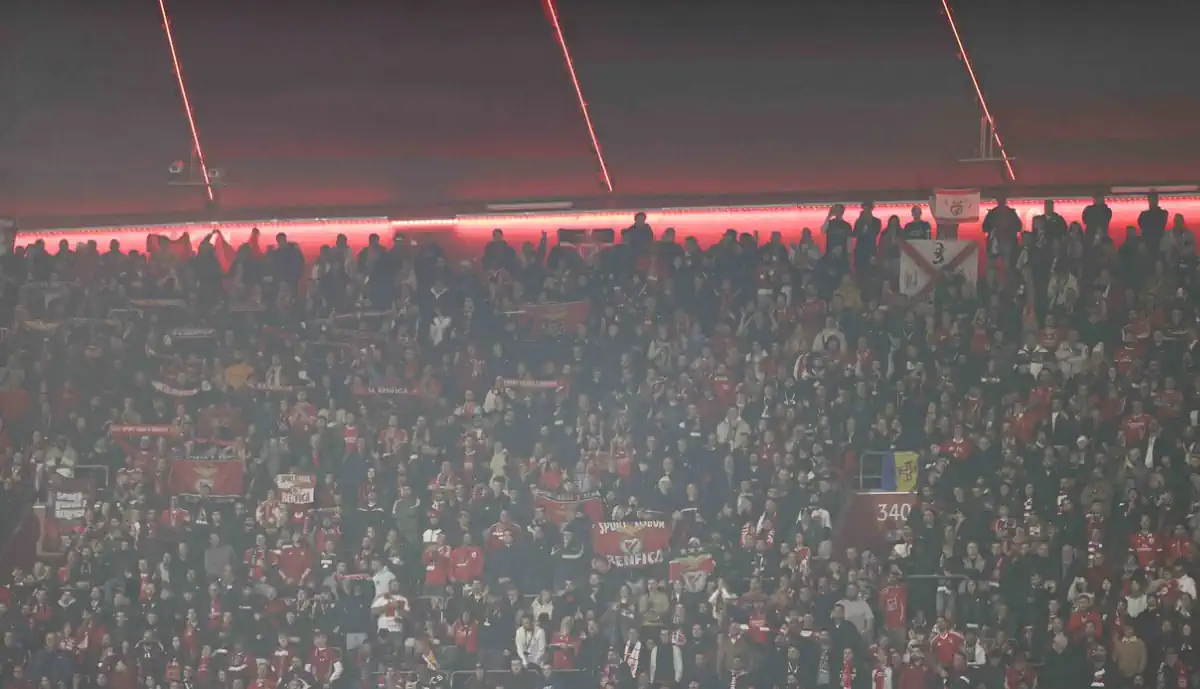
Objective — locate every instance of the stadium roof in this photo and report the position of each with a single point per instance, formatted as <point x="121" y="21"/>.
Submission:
<point x="414" y="103"/>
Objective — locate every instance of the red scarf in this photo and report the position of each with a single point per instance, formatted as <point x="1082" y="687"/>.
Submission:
<point x="847" y="673"/>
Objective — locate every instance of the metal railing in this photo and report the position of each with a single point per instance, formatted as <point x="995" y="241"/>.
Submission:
<point x="575" y="679"/>
<point x="97" y="471"/>
<point x="460" y="679"/>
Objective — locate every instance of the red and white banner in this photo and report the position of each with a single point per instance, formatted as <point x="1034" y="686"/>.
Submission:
<point x="560" y="507"/>
<point x="296" y="489"/>
<point x="119" y="431"/>
<point x="158" y="303"/>
<point x="385" y="391"/>
<point x="174" y="392"/>
<point x="956" y="205"/>
<point x="692" y="567"/>
<point x="551" y="319"/>
<point x="206" y="477"/>
<point x="632" y="544"/>
<point x="925" y="262"/>
<point x="527" y="384"/>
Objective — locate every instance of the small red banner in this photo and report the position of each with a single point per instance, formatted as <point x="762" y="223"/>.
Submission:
<point x="560" y="507"/>
<point x="206" y="477"/>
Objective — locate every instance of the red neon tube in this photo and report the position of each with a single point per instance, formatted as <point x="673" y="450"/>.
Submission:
<point x="987" y="113"/>
<point x="187" y="103"/>
<point x="583" y="108"/>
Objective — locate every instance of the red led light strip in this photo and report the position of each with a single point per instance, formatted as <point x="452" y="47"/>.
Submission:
<point x="583" y="108"/>
<point x="472" y="232"/>
<point x="187" y="103"/>
<point x="962" y="50"/>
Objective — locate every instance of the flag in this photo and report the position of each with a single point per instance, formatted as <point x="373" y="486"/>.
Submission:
<point x="926" y="262"/>
<point x="956" y="205"/>
<point x="296" y="489"/>
<point x="554" y="318"/>
<point x="180" y="249"/>
<point x="560" y="507"/>
<point x="206" y="477"/>
<point x="224" y="251"/>
<point x="692" y="566"/>
<point x="631" y="544"/>
<point x="900" y="472"/>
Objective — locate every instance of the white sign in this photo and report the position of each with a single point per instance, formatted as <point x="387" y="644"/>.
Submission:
<point x="925" y="262"/>
<point x="956" y="205"/>
<point x="69" y="506"/>
<point x="296" y="489"/>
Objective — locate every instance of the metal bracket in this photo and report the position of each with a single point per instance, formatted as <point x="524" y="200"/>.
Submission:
<point x="985" y="151"/>
<point x="193" y="177"/>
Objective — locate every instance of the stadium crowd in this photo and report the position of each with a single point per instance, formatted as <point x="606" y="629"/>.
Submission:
<point x="388" y="467"/>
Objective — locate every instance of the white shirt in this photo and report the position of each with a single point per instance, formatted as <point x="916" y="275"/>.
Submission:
<point x="736" y="432"/>
<point x="531" y="645"/>
<point x="538" y="608"/>
<point x="1187" y="585"/>
<point x="389" y="607"/>
<point x="382" y="579"/>
<point x="1135" y="605"/>
<point x="978" y="658"/>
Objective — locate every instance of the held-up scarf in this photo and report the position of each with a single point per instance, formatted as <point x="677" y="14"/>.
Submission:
<point x="632" y="652"/>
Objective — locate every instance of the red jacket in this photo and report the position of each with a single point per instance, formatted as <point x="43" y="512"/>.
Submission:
<point x="466" y="563"/>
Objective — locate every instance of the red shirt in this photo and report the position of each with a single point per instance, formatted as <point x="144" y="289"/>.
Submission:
<point x="437" y="565"/>
<point x="256" y="559"/>
<point x="320" y="662"/>
<point x="466" y="636"/>
<point x="1024" y="426"/>
<point x="281" y="660"/>
<point x="946" y="646"/>
<point x="893" y="600"/>
<point x="1178" y="548"/>
<point x="499" y="532"/>
<point x="1135" y="428"/>
<point x="566" y="648"/>
<point x="959" y="449"/>
<point x="1039" y="400"/>
<point x="916" y="677"/>
<point x="1147" y="548"/>
<point x="1013" y="677"/>
<point x="723" y="389"/>
<point x="1077" y="624"/>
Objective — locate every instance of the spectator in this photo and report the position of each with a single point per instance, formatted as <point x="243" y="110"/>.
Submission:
<point x="385" y="462"/>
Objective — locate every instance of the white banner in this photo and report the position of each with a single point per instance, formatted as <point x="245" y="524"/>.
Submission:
<point x="69" y="506"/>
<point x="924" y="262"/>
<point x="956" y="205"/>
<point x="296" y="489"/>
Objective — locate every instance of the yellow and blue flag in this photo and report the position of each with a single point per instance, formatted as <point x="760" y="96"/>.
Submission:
<point x="900" y="472"/>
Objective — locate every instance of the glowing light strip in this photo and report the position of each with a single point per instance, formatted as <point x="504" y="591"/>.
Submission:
<point x="583" y="108"/>
<point x="962" y="50"/>
<point x="187" y="103"/>
<point x="471" y="231"/>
